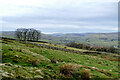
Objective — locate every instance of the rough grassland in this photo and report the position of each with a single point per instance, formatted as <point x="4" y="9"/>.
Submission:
<point x="23" y="60"/>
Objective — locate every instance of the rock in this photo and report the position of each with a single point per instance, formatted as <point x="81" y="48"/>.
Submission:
<point x="39" y="71"/>
<point x="16" y="56"/>
<point x="1" y="64"/>
<point x="63" y="62"/>
<point x="5" y="74"/>
<point x="110" y="70"/>
<point x="20" y="67"/>
<point x="93" y="68"/>
<point x="31" y="71"/>
<point x="38" y="76"/>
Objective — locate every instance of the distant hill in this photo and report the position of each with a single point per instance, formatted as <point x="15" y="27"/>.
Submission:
<point x="96" y="39"/>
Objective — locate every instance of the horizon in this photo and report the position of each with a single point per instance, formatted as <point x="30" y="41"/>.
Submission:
<point x="69" y="32"/>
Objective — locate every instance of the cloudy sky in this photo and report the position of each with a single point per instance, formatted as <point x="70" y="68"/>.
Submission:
<point x="60" y="16"/>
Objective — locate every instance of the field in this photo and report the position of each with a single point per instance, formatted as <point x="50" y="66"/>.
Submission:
<point x="25" y="60"/>
<point x="95" y="39"/>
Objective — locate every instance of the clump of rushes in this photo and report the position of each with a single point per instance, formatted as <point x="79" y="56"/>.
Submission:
<point x="99" y="62"/>
<point x="50" y="66"/>
<point x="20" y="50"/>
<point x="68" y="69"/>
<point x="10" y="49"/>
<point x="35" y="62"/>
<point x="85" y="74"/>
<point x="53" y="60"/>
<point x="65" y="47"/>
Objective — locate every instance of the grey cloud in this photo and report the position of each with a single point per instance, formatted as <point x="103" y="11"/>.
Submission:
<point x="95" y="14"/>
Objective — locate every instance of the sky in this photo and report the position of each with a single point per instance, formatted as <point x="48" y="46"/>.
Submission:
<point x="60" y="16"/>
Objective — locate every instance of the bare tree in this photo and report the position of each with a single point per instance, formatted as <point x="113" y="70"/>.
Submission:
<point x="19" y="34"/>
<point x="38" y="36"/>
<point x="28" y="34"/>
<point x="25" y="34"/>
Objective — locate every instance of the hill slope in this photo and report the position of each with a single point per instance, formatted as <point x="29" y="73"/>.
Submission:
<point x="94" y="39"/>
<point x="25" y="60"/>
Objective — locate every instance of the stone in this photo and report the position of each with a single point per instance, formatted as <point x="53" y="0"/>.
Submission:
<point x="16" y="56"/>
<point x="38" y="76"/>
<point x="5" y="74"/>
<point x="39" y="71"/>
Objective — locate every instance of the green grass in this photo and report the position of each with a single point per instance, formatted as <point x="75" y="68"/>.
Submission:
<point x="60" y="46"/>
<point x="24" y="55"/>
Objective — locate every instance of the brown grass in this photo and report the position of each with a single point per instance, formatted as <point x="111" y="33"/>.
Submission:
<point x="85" y="74"/>
<point x="53" y="60"/>
<point x="111" y="58"/>
<point x="68" y="69"/>
<point x="99" y="62"/>
<point x="35" y="62"/>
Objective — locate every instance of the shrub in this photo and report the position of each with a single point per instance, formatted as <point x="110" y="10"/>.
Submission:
<point x="85" y="74"/>
<point x="20" y="50"/>
<point x="15" y="61"/>
<point x="68" y="69"/>
<point x="35" y="62"/>
<point x="65" y="47"/>
<point x="60" y="60"/>
<point x="50" y="66"/>
<point x="10" y="49"/>
<point x="99" y="62"/>
<point x="53" y="60"/>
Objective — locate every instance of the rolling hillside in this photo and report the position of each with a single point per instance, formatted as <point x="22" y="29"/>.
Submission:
<point x="23" y="60"/>
<point x="94" y="39"/>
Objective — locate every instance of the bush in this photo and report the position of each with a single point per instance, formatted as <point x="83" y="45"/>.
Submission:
<point x="94" y="48"/>
<point x="65" y="47"/>
<point x="68" y="69"/>
<point x="49" y="66"/>
<point x="99" y="62"/>
<point x="55" y="44"/>
<point x="35" y="62"/>
<point x="53" y="60"/>
<point x="85" y="74"/>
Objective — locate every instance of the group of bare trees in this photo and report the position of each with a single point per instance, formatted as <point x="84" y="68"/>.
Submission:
<point x="94" y="48"/>
<point x="28" y="34"/>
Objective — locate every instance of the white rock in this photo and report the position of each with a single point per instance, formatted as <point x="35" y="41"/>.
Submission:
<point x="39" y="71"/>
<point x="38" y="76"/>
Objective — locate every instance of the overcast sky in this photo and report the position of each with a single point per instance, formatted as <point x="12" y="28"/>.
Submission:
<point x="62" y="16"/>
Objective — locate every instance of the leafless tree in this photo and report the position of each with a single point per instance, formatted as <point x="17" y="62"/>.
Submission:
<point x="28" y="34"/>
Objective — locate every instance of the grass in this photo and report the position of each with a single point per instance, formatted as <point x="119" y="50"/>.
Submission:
<point x="26" y="58"/>
<point x="60" y="46"/>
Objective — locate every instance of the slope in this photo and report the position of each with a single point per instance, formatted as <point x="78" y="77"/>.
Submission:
<point x="25" y="60"/>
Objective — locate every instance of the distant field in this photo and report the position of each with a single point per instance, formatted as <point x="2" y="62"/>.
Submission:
<point x="24" y="60"/>
<point x="60" y="46"/>
<point x="96" y="39"/>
